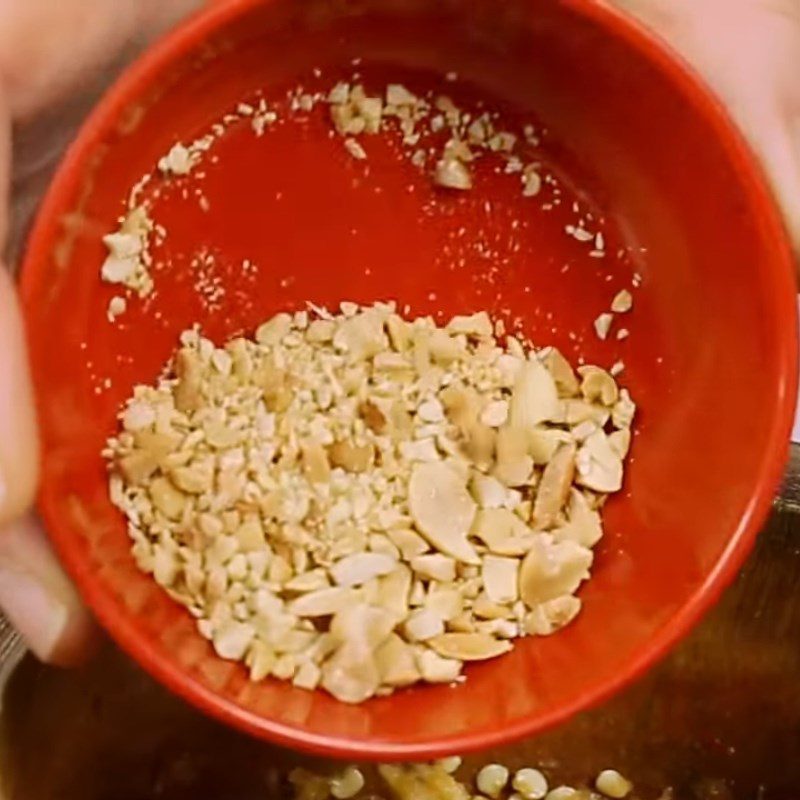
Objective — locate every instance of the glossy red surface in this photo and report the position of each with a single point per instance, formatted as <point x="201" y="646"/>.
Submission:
<point x="711" y="355"/>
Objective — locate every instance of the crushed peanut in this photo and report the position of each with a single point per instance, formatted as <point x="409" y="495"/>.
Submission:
<point x="355" y="149"/>
<point x="329" y="503"/>
<point x="452" y="174"/>
<point x="116" y="305"/>
<point x="622" y="302"/>
<point x="128" y="257"/>
<point x="602" y="325"/>
<point x="353" y="113"/>
<point x="440" y="138"/>
<point x="450" y="764"/>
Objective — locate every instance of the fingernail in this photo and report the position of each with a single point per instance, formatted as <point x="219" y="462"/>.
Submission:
<point x="34" y="612"/>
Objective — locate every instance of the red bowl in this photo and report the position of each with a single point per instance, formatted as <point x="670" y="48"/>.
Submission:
<point x="711" y="356"/>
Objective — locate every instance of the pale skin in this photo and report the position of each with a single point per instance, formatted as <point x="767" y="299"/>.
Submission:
<point x="748" y="51"/>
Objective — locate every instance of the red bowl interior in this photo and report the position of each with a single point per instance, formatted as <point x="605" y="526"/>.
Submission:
<point x="711" y="356"/>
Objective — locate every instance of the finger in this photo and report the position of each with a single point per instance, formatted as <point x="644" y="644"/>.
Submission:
<point x="749" y="52"/>
<point x="34" y="593"/>
<point x="48" y="48"/>
<point x="39" y="600"/>
<point x="18" y="440"/>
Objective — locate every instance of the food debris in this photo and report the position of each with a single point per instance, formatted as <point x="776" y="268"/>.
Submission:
<point x="262" y="118"/>
<point x="579" y="233"/>
<point x="116" y="306"/>
<point x="622" y="302"/>
<point x="437" y="781"/>
<point x="452" y="174"/>
<point x="129" y="259"/>
<point x="178" y="161"/>
<point x="438" y="137"/>
<point x="613" y="785"/>
<point x="355" y="149"/>
<point x="353" y="112"/>
<point x="617" y="368"/>
<point x="531" y="183"/>
<point x="182" y="159"/>
<point x="602" y="325"/>
<point x="359" y="501"/>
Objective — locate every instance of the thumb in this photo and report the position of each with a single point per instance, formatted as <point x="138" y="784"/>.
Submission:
<point x="49" y="48"/>
<point x="34" y="593"/>
<point x="749" y="53"/>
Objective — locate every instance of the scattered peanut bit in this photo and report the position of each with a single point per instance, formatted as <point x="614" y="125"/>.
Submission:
<point x="531" y="183"/>
<point x="622" y="302"/>
<point x="422" y="122"/>
<point x="128" y="259"/>
<point x="360" y="502"/>
<point x="579" y="233"/>
<point x="178" y="161"/>
<point x="452" y="174"/>
<point x="182" y="159"/>
<point x="355" y="149"/>
<point x="261" y="118"/>
<point x="602" y="325"/>
<point x="354" y="113"/>
<point x="116" y="306"/>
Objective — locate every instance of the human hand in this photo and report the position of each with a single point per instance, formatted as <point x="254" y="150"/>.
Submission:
<point x="46" y="51"/>
<point x="749" y="53"/>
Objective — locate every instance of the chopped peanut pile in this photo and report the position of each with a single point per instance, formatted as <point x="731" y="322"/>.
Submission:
<point x="361" y="502"/>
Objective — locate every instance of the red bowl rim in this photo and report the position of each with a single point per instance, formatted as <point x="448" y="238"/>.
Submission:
<point x="122" y="627"/>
